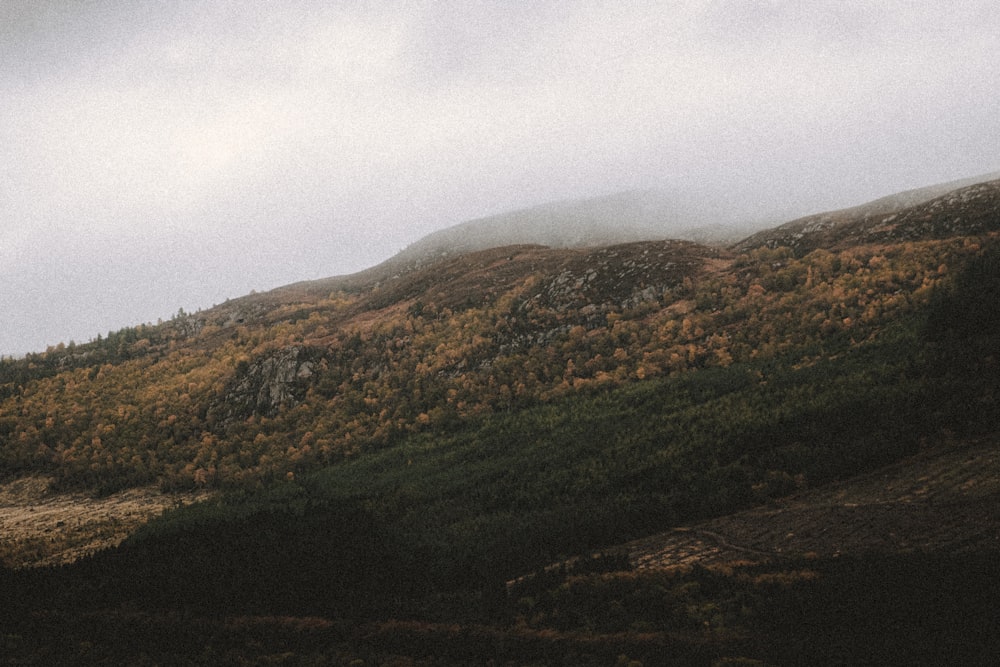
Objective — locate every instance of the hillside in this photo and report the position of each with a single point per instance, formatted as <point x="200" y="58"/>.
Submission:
<point x="920" y="213"/>
<point x="387" y="452"/>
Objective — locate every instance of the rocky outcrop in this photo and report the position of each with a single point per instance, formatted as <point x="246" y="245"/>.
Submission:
<point x="263" y="387"/>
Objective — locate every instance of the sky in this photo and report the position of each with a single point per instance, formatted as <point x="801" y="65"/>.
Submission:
<point x="157" y="156"/>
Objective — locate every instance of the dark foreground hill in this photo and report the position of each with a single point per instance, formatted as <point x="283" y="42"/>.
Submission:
<point x="390" y="459"/>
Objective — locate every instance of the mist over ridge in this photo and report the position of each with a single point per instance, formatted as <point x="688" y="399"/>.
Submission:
<point x="640" y="215"/>
<point x="645" y="215"/>
<point x="697" y="215"/>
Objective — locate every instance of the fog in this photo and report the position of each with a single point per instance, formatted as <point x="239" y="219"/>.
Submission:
<point x="157" y="156"/>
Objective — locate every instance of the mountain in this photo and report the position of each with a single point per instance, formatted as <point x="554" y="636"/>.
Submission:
<point x="399" y="466"/>
<point x="343" y="365"/>
<point x="647" y="215"/>
<point x="464" y="335"/>
<point x="879" y="218"/>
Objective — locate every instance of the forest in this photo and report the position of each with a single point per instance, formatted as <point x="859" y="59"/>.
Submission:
<point x="194" y="403"/>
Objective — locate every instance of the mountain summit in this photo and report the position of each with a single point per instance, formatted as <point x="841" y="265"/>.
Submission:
<point x="638" y="215"/>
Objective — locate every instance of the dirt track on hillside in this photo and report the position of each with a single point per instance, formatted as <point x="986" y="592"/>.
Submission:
<point x="945" y="499"/>
<point x="41" y="527"/>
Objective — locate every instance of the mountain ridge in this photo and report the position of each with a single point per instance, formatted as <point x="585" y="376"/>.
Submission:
<point x="869" y="214"/>
<point x="636" y="215"/>
<point x="448" y="243"/>
<point x="605" y="221"/>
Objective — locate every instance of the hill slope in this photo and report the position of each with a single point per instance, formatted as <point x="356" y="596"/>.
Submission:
<point x="916" y="214"/>
<point x="317" y="371"/>
<point x="401" y="446"/>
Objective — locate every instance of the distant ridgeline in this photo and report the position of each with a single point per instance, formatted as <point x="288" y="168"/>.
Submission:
<point x="622" y="218"/>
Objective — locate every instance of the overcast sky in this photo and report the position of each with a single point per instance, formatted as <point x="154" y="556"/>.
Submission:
<point x="162" y="155"/>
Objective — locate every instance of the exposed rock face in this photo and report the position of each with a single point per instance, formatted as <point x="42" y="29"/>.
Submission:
<point x="623" y="276"/>
<point x="264" y="386"/>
